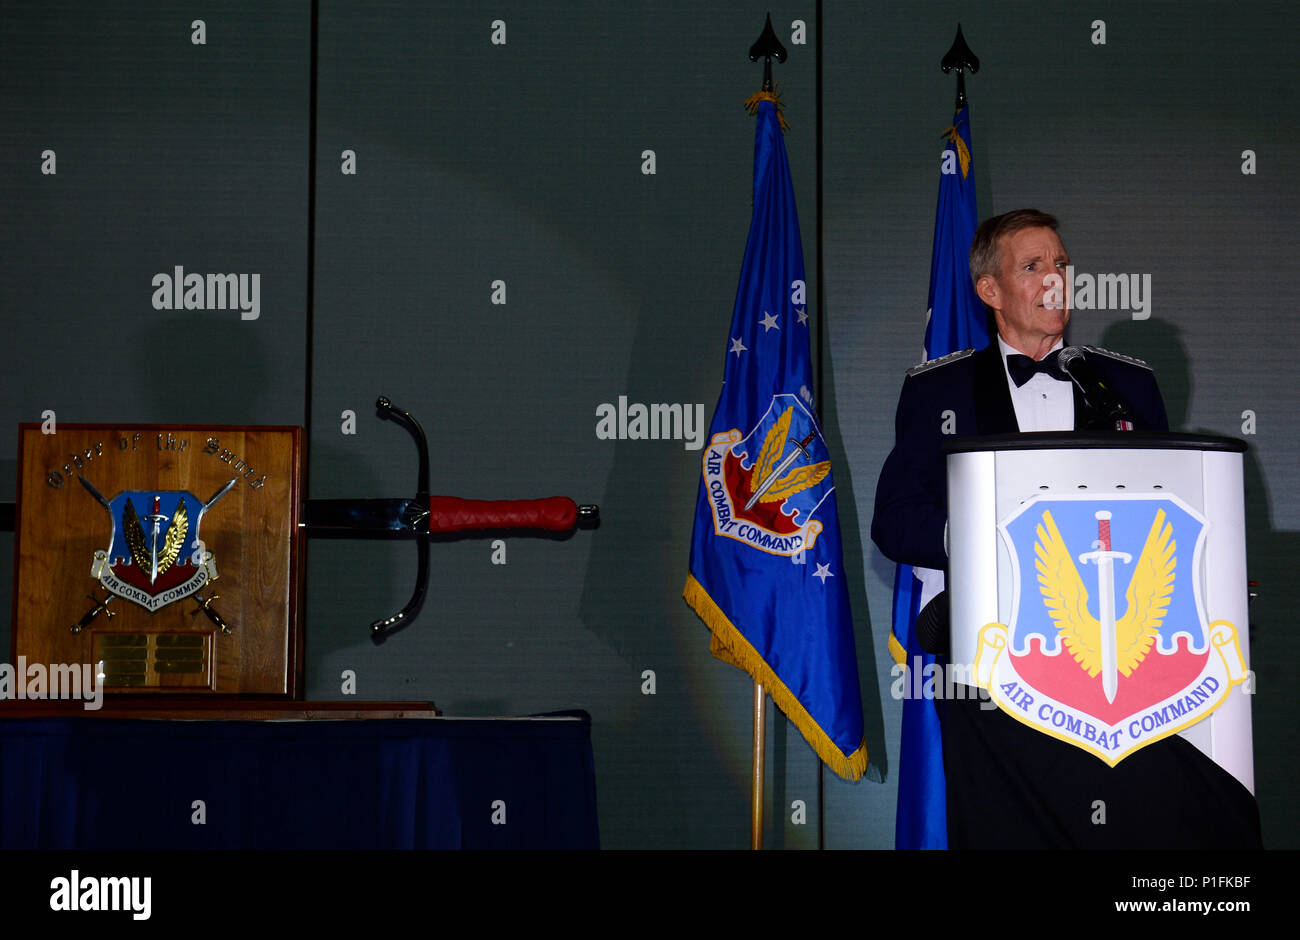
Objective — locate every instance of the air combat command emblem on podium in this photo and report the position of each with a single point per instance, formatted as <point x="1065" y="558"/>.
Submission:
<point x="1109" y="646"/>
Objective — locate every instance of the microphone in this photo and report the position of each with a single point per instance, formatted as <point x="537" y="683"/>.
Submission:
<point x="1096" y="392"/>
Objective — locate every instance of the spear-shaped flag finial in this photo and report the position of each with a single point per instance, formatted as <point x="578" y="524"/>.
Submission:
<point x="769" y="47"/>
<point x="960" y="58"/>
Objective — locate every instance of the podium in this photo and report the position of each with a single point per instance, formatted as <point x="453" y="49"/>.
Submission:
<point x="1098" y="588"/>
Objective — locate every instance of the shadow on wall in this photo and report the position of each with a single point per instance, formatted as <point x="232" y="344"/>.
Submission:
<point x="1272" y="557"/>
<point x="851" y="529"/>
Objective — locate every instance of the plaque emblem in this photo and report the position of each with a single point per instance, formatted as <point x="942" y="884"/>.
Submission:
<point x="155" y="556"/>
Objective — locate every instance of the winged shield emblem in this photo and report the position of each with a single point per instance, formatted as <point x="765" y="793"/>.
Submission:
<point x="1107" y="643"/>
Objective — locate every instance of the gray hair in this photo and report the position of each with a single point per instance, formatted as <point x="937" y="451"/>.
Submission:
<point x="985" y="256"/>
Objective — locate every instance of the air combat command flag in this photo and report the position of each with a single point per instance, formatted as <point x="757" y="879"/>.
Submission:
<point x="766" y="570"/>
<point x="955" y="320"/>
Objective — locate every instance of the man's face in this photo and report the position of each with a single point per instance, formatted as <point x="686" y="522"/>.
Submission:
<point x="1030" y="315"/>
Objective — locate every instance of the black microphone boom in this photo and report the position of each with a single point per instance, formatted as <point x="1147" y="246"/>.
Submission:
<point x="1096" y="392"/>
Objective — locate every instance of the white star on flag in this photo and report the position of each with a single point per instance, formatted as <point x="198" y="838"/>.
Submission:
<point x="803" y="314"/>
<point x="823" y="572"/>
<point x="737" y="346"/>
<point x="769" y="322"/>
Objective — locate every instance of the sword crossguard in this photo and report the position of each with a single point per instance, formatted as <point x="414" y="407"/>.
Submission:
<point x="1100" y="554"/>
<point x="101" y="607"/>
<point x="1102" y="544"/>
<point x="426" y="515"/>
<point x="157" y="515"/>
<point x="205" y="605"/>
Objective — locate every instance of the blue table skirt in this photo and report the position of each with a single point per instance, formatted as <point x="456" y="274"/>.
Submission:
<point x="119" y="784"/>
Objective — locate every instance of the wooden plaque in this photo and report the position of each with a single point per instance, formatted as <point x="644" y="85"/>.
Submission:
<point x="168" y="558"/>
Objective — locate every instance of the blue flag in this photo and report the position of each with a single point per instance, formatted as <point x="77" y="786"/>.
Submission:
<point x="767" y="574"/>
<point x="956" y="320"/>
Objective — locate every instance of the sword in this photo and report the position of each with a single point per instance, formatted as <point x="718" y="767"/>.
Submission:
<point x="205" y="606"/>
<point x="155" y="517"/>
<point x="101" y="607"/>
<point x="425" y="517"/>
<point x="800" y="449"/>
<point x="1105" y="561"/>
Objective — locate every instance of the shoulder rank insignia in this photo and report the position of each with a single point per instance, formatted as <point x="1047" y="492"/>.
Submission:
<point x="1120" y="356"/>
<point x="942" y="360"/>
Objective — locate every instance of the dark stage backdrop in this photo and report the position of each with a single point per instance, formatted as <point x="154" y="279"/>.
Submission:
<point x="526" y="213"/>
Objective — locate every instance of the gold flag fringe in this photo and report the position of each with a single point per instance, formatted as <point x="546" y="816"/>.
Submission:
<point x="729" y="645"/>
<point x="751" y="105"/>
<point x="897" y="650"/>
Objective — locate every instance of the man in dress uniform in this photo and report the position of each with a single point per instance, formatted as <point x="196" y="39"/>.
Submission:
<point x="1010" y="786"/>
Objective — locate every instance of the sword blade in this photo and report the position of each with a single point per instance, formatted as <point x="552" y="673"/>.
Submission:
<point x="220" y="493"/>
<point x="361" y="517"/>
<point x="1106" y="606"/>
<point x="772" y="478"/>
<point x="90" y="488"/>
<point x="153" y="554"/>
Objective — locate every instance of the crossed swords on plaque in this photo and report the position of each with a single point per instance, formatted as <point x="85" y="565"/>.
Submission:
<point x="156" y="518"/>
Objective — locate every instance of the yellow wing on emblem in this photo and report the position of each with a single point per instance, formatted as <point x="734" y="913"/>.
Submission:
<point x="174" y="540"/>
<point x="770" y="455"/>
<point x="1148" y="596"/>
<point x="796" y="481"/>
<point x="1065" y="596"/>
<point x="134" y="534"/>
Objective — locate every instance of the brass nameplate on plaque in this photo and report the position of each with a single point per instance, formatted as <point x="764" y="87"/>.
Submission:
<point x="153" y="660"/>
<point x="166" y="556"/>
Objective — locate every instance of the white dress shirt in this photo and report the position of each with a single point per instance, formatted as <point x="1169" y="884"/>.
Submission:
<point x="1043" y="403"/>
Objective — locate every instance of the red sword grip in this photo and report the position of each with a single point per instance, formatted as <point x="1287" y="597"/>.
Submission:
<point x="451" y="514"/>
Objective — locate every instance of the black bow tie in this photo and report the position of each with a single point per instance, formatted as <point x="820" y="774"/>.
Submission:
<point x="1022" y="368"/>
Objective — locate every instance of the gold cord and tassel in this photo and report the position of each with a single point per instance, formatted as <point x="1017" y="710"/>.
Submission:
<point x="963" y="152"/>
<point x="752" y="102"/>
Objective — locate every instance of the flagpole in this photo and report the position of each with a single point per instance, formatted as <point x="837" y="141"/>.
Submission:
<point x="769" y="613"/>
<point x="760" y="737"/>
<point x="820" y="374"/>
<point x="769" y="47"/>
<point x="954" y="321"/>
